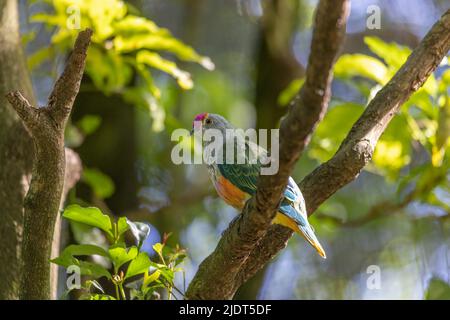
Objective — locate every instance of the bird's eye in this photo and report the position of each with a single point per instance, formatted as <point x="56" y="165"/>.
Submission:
<point x="208" y="121"/>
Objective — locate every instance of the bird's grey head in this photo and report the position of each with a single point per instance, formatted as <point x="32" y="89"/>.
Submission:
<point x="211" y="121"/>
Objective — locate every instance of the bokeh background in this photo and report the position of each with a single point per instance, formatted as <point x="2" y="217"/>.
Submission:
<point x="393" y="217"/>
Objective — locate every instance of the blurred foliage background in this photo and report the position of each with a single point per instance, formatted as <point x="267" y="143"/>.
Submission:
<point x="154" y="64"/>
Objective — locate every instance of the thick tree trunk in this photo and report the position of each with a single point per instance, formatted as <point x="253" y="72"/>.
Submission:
<point x="16" y="150"/>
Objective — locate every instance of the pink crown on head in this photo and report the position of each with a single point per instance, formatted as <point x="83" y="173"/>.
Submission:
<point x="201" y="116"/>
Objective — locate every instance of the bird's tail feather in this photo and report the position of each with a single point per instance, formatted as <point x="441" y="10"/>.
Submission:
<point x="308" y="233"/>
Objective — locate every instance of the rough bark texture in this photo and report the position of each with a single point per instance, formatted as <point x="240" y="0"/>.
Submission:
<point x="46" y="126"/>
<point x="72" y="176"/>
<point x="216" y="277"/>
<point x="357" y="149"/>
<point x="16" y="150"/>
<point x="276" y="68"/>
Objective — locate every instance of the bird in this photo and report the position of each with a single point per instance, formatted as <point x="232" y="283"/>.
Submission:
<point x="236" y="182"/>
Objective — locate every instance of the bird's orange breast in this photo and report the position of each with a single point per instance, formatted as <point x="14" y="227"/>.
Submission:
<point x="230" y="194"/>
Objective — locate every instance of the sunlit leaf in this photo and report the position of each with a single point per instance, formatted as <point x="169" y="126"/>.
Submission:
<point x="390" y="154"/>
<point x="139" y="265"/>
<point x="39" y="56"/>
<point x="158" y="248"/>
<point x="101" y="184"/>
<point x="100" y="297"/>
<point x="161" y="42"/>
<point x="442" y="140"/>
<point x="156" y="61"/>
<point x="392" y="53"/>
<point x="67" y="259"/>
<point x="150" y="278"/>
<point x="333" y="129"/>
<point x="132" y="25"/>
<point x="89" y="123"/>
<point x="392" y="151"/>
<point x="438" y="290"/>
<point x="350" y="65"/>
<point x="122" y="225"/>
<point x="90" y="216"/>
<point x="84" y="250"/>
<point x="289" y="93"/>
<point x="120" y="255"/>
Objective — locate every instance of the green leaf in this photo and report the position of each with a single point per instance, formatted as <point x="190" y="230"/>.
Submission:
<point x="431" y="86"/>
<point x="132" y="25"/>
<point x="122" y="225"/>
<point x="89" y="123"/>
<point x="390" y="154"/>
<point x="350" y="65"/>
<point x="141" y="97"/>
<point x="109" y="71"/>
<point x="156" y="61"/>
<point x="68" y="259"/>
<point x="290" y="92"/>
<point x="392" y="151"/>
<point x="36" y="58"/>
<point x="139" y="265"/>
<point x="73" y="137"/>
<point x="442" y="138"/>
<point x="333" y="129"/>
<point x="150" y="278"/>
<point x="422" y="100"/>
<point x="84" y="250"/>
<point x="102" y="185"/>
<point x="393" y="54"/>
<point x="100" y="297"/>
<point x="120" y="256"/>
<point x="84" y="234"/>
<point x="161" y="42"/>
<point x="93" y="270"/>
<point x="168" y="274"/>
<point x="90" y="216"/>
<point x="158" y="248"/>
<point x="140" y="231"/>
<point x="438" y="290"/>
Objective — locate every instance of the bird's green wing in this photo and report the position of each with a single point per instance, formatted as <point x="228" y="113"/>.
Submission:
<point x="244" y="176"/>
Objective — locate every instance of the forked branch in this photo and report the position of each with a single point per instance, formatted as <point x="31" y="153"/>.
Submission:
<point x="46" y="126"/>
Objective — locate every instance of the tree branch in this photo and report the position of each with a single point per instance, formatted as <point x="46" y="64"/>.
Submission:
<point x="216" y="277"/>
<point x="357" y="148"/>
<point x="26" y="112"/>
<point x="67" y="86"/>
<point x="46" y="126"/>
<point x="73" y="173"/>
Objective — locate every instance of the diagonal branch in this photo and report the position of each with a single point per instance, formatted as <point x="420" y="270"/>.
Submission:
<point x="216" y="277"/>
<point x="67" y="86"/>
<point x="357" y="148"/>
<point x="27" y="113"/>
<point x="46" y="126"/>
